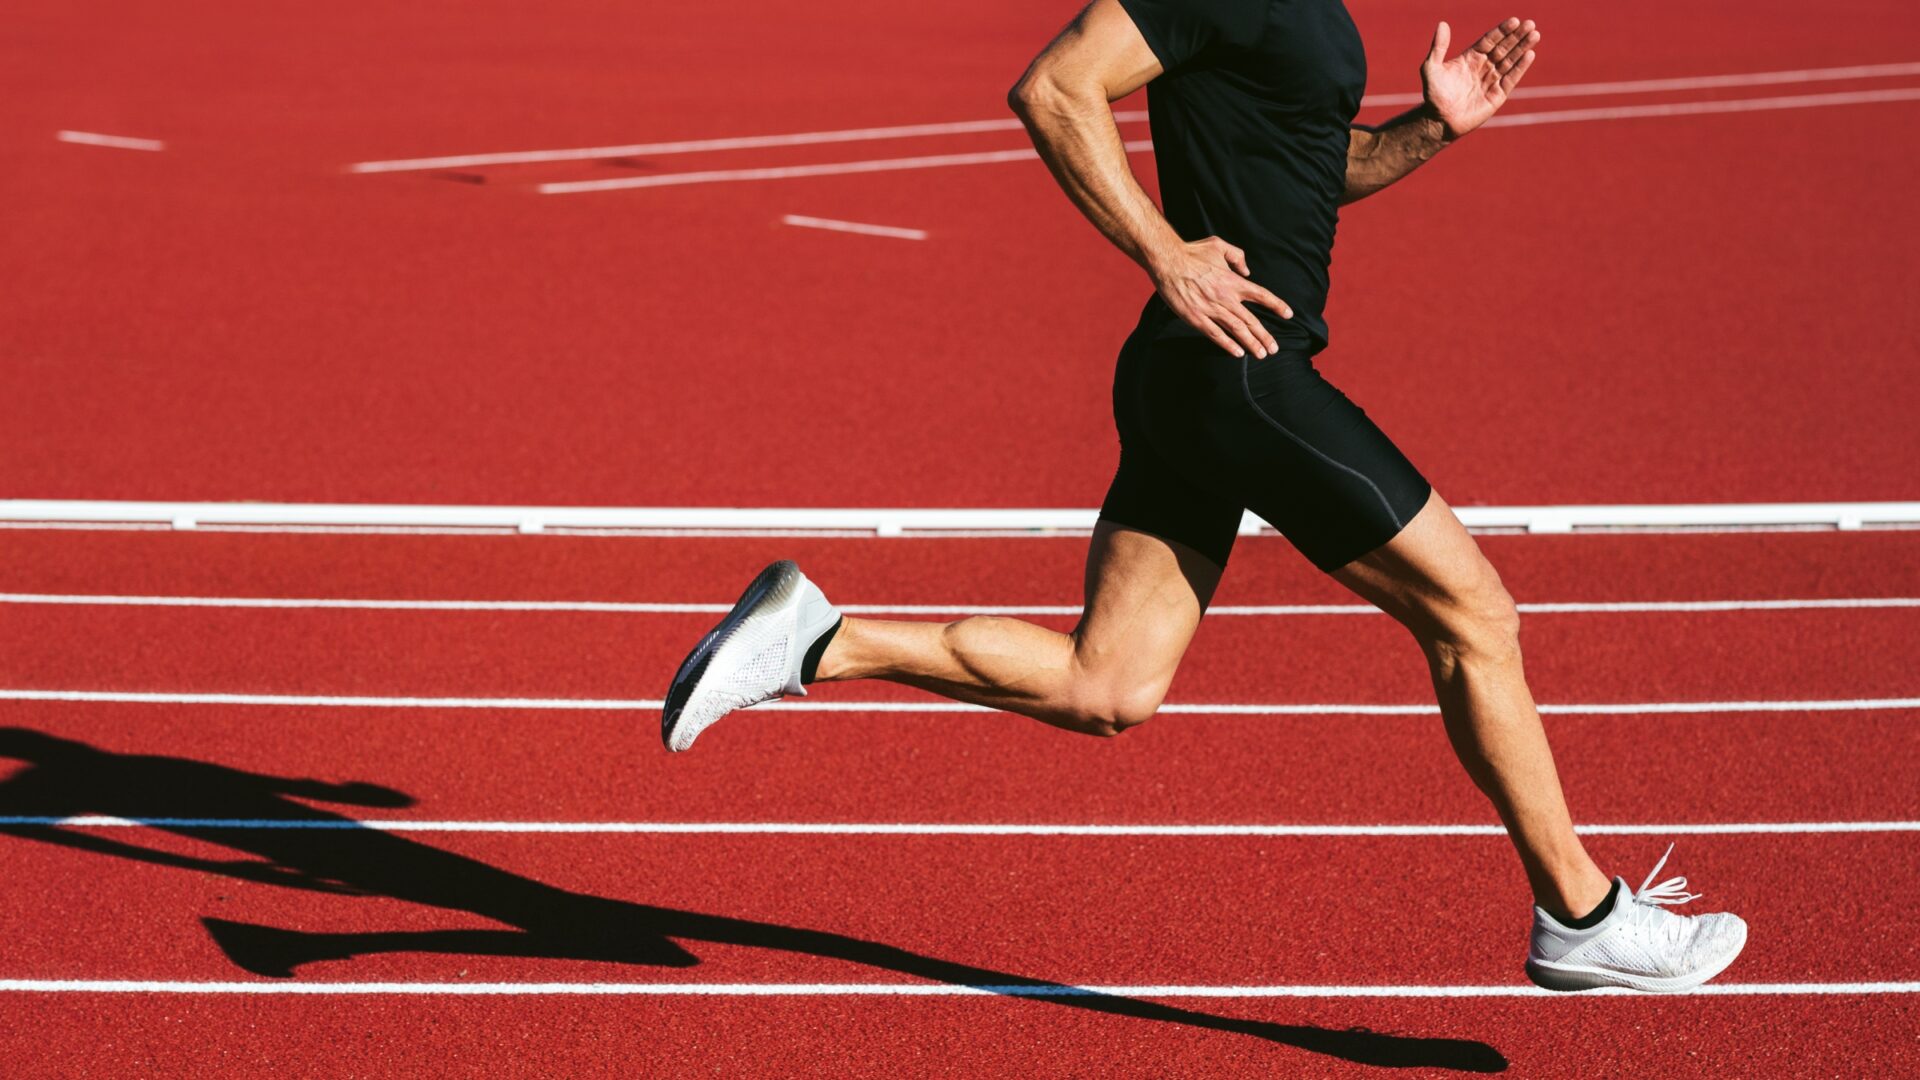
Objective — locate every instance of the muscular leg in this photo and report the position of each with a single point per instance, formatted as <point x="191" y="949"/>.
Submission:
<point x="1434" y="580"/>
<point x="1144" y="598"/>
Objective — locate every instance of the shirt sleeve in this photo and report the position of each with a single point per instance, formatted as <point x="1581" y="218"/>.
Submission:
<point x="1179" y="30"/>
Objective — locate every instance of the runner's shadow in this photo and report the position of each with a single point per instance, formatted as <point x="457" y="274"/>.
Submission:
<point x="317" y="850"/>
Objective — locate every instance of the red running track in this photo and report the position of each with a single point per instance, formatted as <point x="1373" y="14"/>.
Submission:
<point x="1684" y="311"/>
<point x="1668" y="285"/>
<point x="1186" y="910"/>
<point x="889" y="1037"/>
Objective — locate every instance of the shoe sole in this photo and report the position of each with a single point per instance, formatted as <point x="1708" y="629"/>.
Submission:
<point x="1570" y="978"/>
<point x="775" y="581"/>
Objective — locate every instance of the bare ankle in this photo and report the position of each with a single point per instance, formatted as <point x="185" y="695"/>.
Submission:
<point x="1573" y="895"/>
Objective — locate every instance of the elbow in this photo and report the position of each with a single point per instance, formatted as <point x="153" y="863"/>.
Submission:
<point x="1036" y="93"/>
<point x="1024" y="96"/>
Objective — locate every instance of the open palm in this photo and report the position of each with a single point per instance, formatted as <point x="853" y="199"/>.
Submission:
<point x="1468" y="89"/>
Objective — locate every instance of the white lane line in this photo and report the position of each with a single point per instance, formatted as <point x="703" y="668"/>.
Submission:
<point x="117" y="142"/>
<point x="1652" y="708"/>
<point x="663" y="608"/>
<point x="832" y="225"/>
<point x="857" y="989"/>
<point x="973" y="127"/>
<point x="1702" y="108"/>
<point x="895" y="521"/>
<point x="811" y="828"/>
<point x="937" y="161"/>
<point x="1690" y="82"/>
<point x="789" y="172"/>
<point x="690" y="146"/>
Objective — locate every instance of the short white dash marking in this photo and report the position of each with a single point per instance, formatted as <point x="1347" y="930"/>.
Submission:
<point x="833" y="225"/>
<point x="118" y="142"/>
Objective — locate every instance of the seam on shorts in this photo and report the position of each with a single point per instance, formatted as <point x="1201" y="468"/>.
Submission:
<point x="1246" y="391"/>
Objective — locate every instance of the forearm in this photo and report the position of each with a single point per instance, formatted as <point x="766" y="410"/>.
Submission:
<point x="1074" y="132"/>
<point x="1378" y="156"/>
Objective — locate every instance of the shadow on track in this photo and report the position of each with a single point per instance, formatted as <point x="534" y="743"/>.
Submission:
<point x="327" y="852"/>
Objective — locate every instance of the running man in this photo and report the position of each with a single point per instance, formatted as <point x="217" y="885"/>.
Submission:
<point x="1219" y="409"/>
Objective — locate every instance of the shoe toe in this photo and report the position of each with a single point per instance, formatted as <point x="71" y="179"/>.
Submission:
<point x="1721" y="938"/>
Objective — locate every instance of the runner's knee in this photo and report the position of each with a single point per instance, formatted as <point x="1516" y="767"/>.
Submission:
<point x="1478" y="624"/>
<point x="1110" y="706"/>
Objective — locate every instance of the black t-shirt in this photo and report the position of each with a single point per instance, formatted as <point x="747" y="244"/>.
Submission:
<point x="1250" y="126"/>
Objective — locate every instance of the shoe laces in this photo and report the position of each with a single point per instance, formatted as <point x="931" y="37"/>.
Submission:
<point x="1651" y="901"/>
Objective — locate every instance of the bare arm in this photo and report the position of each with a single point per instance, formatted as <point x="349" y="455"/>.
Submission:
<point x="1065" y="99"/>
<point x="1462" y="93"/>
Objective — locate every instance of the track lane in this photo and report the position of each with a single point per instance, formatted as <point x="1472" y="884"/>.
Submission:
<point x="566" y="766"/>
<point x="1126" y="911"/>
<point x="475" y="765"/>
<point x="1679" y="1037"/>
<point x="1003" y="570"/>
<point x="1572" y="658"/>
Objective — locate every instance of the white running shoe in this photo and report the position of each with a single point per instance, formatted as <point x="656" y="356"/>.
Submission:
<point x="755" y="654"/>
<point x="1640" y="945"/>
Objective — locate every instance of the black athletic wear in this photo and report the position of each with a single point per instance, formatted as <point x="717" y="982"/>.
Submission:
<point x="1250" y="128"/>
<point x="1250" y="125"/>
<point x="1203" y="435"/>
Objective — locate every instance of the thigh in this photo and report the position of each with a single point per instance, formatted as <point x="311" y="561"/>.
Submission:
<point x="1145" y="596"/>
<point x="1323" y="472"/>
<point x="1164" y="485"/>
<point x="1433" y="566"/>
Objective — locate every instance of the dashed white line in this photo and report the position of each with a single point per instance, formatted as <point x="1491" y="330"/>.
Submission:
<point x="117" y="142"/>
<point x="1651" y="708"/>
<point x="858" y="989"/>
<point x="832" y="225"/>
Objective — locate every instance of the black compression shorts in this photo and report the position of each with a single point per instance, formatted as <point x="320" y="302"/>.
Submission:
<point x="1204" y="436"/>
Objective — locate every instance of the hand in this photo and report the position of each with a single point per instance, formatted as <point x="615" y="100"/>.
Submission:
<point x="1466" y="91"/>
<point x="360" y="793"/>
<point x="1205" y="283"/>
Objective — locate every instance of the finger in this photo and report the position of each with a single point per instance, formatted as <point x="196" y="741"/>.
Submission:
<point x="1240" y="323"/>
<point x="1494" y="36"/>
<point x="1513" y="44"/>
<point x="1258" y="295"/>
<point x="1267" y="346"/>
<point x="1512" y="78"/>
<point x="1214" y="334"/>
<point x="1513" y="55"/>
<point x="1236" y="258"/>
<point x="1442" y="37"/>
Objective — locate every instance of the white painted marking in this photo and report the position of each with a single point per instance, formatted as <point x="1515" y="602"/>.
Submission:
<point x="926" y="707"/>
<point x="857" y="989"/>
<point x="937" y="161"/>
<point x="1690" y="82"/>
<point x="117" y="142"/>
<point x="1702" y="108"/>
<point x="853" y="227"/>
<point x="1022" y="521"/>
<point x="1060" y="533"/>
<point x="788" y="172"/>
<point x="816" y="828"/>
<point x="973" y="127"/>
<point x="691" y="146"/>
<point x="665" y="608"/>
